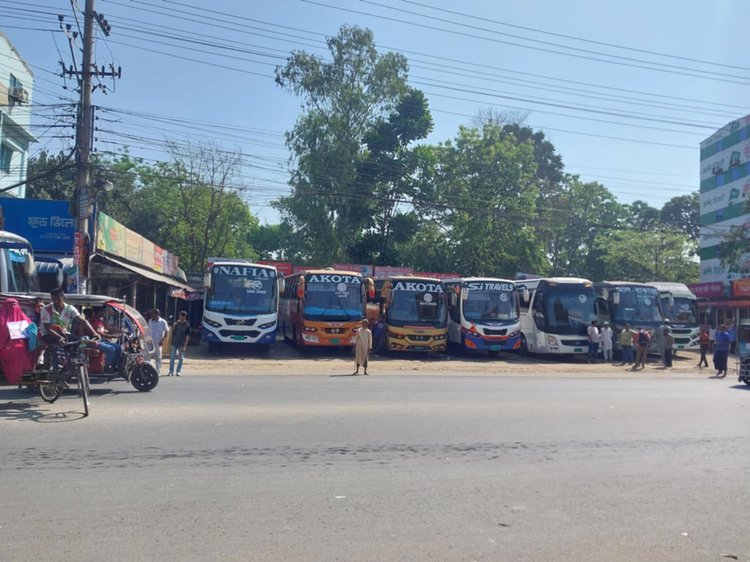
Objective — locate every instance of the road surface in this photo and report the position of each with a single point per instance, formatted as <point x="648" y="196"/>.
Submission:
<point x="380" y="468"/>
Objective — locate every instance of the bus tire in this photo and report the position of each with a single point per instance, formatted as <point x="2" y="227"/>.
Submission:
<point x="524" y="349"/>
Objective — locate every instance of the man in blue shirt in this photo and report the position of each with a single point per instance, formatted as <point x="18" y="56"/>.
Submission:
<point x="721" y="351"/>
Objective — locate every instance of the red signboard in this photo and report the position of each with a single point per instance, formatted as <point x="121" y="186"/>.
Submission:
<point x="283" y="267"/>
<point x="387" y="271"/>
<point x="365" y="270"/>
<point x="301" y="268"/>
<point x="437" y="275"/>
<point x="741" y="288"/>
<point x="708" y="290"/>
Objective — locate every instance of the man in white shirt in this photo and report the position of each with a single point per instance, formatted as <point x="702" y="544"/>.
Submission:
<point x="159" y="330"/>
<point x="57" y="318"/>
<point x="593" y="335"/>
<point x="606" y="342"/>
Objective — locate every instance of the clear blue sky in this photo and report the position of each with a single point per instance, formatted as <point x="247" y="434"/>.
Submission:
<point x="462" y="63"/>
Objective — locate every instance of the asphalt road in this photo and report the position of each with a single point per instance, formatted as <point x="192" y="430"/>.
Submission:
<point x="390" y="468"/>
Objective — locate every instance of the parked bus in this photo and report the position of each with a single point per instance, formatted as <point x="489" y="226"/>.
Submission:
<point x="241" y="302"/>
<point x="323" y="307"/>
<point x="555" y="314"/>
<point x="680" y="305"/>
<point x="483" y="314"/>
<point x="412" y="314"/>
<point x="621" y="302"/>
<point x="17" y="269"/>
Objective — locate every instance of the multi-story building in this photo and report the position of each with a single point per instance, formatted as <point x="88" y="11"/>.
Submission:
<point x="16" y="85"/>
<point x="724" y="289"/>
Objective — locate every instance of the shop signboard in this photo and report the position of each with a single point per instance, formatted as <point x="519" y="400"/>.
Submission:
<point x="133" y="246"/>
<point x="707" y="290"/>
<point x="158" y="259"/>
<point x="148" y="253"/>
<point x="46" y="224"/>
<point x="110" y="236"/>
<point x="741" y="288"/>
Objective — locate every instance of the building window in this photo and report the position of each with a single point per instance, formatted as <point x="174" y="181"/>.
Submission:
<point x="6" y="154"/>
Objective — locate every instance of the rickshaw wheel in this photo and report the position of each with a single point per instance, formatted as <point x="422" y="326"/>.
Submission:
<point x="144" y="378"/>
<point x="50" y="392"/>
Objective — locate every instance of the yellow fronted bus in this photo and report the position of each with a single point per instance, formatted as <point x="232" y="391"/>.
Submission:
<point x="413" y="314"/>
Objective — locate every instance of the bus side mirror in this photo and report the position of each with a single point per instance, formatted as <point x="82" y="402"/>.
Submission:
<point x="454" y="299"/>
<point x="370" y="284"/>
<point x="671" y="301"/>
<point x="301" y="288"/>
<point x="28" y="265"/>
<point x="525" y="294"/>
<point x="616" y="297"/>
<point x="282" y="285"/>
<point x="206" y="279"/>
<point x="464" y="294"/>
<point x="60" y="277"/>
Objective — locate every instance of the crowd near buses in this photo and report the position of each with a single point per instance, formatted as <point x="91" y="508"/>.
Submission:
<point x="253" y="303"/>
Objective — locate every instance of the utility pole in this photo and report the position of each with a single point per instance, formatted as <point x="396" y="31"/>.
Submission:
<point x="83" y="198"/>
<point x="84" y="138"/>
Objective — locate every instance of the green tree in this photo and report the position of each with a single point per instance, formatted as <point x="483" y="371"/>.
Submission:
<point x="485" y="199"/>
<point x="635" y="255"/>
<point x="343" y="101"/>
<point x="580" y="212"/>
<point x="683" y="214"/>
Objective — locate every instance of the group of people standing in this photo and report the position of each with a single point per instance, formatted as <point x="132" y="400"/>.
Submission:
<point x="634" y="344"/>
<point x="722" y="342"/>
<point x="178" y="342"/>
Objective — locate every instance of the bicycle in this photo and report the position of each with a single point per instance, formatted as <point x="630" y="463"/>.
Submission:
<point x="67" y="361"/>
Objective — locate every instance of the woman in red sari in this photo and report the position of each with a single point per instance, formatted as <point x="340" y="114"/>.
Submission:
<point x="15" y="358"/>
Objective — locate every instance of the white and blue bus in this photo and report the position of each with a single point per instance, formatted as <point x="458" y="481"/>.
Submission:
<point x="483" y="314"/>
<point x="555" y="314"/>
<point x="241" y="302"/>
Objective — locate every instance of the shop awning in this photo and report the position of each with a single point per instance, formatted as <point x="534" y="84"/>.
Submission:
<point x="147" y="273"/>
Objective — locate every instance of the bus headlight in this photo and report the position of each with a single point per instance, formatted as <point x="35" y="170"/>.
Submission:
<point x="267" y="325"/>
<point x="211" y="323"/>
<point x="309" y="329"/>
<point x="396" y="336"/>
<point x="551" y="340"/>
<point x="440" y="337"/>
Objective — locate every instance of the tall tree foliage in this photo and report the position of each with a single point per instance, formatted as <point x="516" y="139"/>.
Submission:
<point x="343" y="101"/>
<point x="485" y="201"/>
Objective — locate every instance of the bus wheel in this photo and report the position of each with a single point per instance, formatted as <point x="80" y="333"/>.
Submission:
<point x="524" y="349"/>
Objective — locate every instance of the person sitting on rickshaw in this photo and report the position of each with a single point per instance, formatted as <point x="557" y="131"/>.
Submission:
<point x="111" y="350"/>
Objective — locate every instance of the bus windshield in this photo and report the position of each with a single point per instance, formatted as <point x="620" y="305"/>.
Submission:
<point x="490" y="302"/>
<point x="242" y="294"/>
<point x="19" y="281"/>
<point x="333" y="297"/>
<point x="637" y="305"/>
<point x="418" y="307"/>
<point x="683" y="311"/>
<point x="568" y="309"/>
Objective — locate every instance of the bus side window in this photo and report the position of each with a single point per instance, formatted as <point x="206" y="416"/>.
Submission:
<point x="538" y="310"/>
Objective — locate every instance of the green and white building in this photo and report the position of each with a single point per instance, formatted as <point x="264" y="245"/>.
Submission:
<point x="724" y="200"/>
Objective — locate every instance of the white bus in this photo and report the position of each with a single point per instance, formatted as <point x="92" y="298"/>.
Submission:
<point x="483" y="314"/>
<point x="555" y="314"/>
<point x="241" y="302"/>
<point x="680" y="305"/>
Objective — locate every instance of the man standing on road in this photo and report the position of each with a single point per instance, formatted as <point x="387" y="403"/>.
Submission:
<point x="668" y="340"/>
<point x="626" y="345"/>
<point x="721" y="351"/>
<point x="642" y="342"/>
<point x="659" y="336"/>
<point x="180" y="338"/>
<point x="362" y="347"/>
<point x="159" y="330"/>
<point x="705" y="342"/>
<point x="606" y="342"/>
<point x="593" y="335"/>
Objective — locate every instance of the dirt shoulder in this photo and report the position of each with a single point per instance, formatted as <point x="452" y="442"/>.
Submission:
<point x="284" y="359"/>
